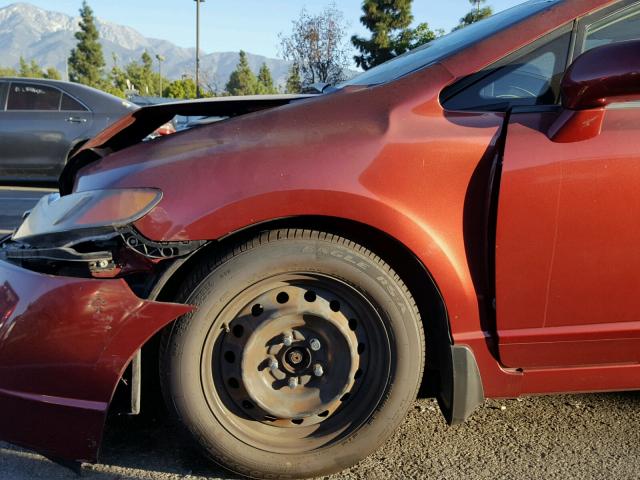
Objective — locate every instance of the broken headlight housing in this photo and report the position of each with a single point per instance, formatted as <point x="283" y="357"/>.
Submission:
<point x="96" y="210"/>
<point x="92" y="234"/>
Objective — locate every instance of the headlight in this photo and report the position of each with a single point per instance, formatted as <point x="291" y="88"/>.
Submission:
<point x="87" y="210"/>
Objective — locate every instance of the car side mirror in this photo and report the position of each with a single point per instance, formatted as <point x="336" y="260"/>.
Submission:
<point x="596" y="79"/>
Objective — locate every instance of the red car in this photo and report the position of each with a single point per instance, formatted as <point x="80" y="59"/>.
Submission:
<point x="462" y="220"/>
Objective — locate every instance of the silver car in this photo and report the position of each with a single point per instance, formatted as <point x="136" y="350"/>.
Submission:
<point x="43" y="121"/>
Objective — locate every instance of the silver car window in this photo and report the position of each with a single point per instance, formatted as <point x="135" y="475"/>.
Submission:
<point x="70" y="104"/>
<point x="26" y="96"/>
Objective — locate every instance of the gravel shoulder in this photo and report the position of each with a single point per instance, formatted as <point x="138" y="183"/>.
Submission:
<point x="561" y="437"/>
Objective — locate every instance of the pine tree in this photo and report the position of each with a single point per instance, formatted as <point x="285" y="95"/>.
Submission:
<point x="33" y="70"/>
<point x="149" y="80"/>
<point x="86" y="62"/>
<point x="117" y="79"/>
<point x="142" y="76"/>
<point x="294" y="84"/>
<point x="265" y="81"/>
<point x="423" y="34"/>
<point x="389" y="22"/>
<point x="478" y="13"/>
<point x="30" y="69"/>
<point x="139" y="76"/>
<point x="242" y="80"/>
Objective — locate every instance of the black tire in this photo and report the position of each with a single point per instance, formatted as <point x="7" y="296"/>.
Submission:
<point x="250" y="420"/>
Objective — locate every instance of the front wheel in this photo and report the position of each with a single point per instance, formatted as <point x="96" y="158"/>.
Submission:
<point x="303" y="355"/>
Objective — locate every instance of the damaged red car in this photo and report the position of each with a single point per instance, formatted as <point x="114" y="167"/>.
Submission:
<point x="461" y="221"/>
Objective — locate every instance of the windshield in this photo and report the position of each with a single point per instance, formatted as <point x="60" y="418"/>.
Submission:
<point x="448" y="44"/>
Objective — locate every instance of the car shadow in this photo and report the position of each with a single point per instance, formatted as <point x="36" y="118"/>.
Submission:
<point x="153" y="443"/>
<point x="631" y="398"/>
<point x="529" y="437"/>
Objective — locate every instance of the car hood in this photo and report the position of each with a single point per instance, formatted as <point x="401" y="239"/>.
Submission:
<point x="137" y="125"/>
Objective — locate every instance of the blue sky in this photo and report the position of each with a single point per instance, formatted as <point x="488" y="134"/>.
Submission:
<point x="252" y="25"/>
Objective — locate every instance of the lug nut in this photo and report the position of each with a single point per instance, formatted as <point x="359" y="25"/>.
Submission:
<point x="273" y="363"/>
<point x="318" y="371"/>
<point x="287" y="340"/>
<point x="315" y="344"/>
<point x="293" y="382"/>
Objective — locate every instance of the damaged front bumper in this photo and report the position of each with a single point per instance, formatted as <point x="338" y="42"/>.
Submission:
<point x="64" y="343"/>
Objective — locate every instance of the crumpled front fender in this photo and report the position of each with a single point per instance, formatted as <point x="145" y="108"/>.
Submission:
<point x="64" y="344"/>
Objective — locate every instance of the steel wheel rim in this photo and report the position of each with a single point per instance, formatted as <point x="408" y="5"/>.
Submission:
<point x="329" y="323"/>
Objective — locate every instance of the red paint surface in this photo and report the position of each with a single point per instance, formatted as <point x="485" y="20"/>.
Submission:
<point x="387" y="156"/>
<point x="64" y="343"/>
<point x="392" y="158"/>
<point x="567" y="257"/>
<point x="615" y="78"/>
<point x="577" y="125"/>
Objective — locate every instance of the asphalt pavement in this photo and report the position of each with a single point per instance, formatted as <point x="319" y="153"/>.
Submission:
<point x="14" y="201"/>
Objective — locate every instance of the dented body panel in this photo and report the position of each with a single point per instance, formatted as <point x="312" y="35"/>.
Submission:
<point x="64" y="344"/>
<point x="390" y="157"/>
<point x="134" y="127"/>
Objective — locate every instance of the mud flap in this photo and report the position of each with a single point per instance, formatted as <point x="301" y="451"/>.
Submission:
<point x="461" y="389"/>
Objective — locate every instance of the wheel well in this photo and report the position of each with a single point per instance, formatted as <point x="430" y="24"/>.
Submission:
<point x="412" y="271"/>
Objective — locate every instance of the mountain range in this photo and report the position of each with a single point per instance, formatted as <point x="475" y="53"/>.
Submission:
<point x="48" y="37"/>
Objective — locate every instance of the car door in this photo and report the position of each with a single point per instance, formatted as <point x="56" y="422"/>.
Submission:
<point x="568" y="230"/>
<point x="37" y="130"/>
<point x="79" y="124"/>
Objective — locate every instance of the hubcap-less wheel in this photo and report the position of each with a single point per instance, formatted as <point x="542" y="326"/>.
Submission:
<point x="302" y="355"/>
<point x="289" y="358"/>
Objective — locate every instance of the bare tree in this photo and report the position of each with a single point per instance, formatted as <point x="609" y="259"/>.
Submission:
<point x="318" y="45"/>
<point x="209" y="82"/>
